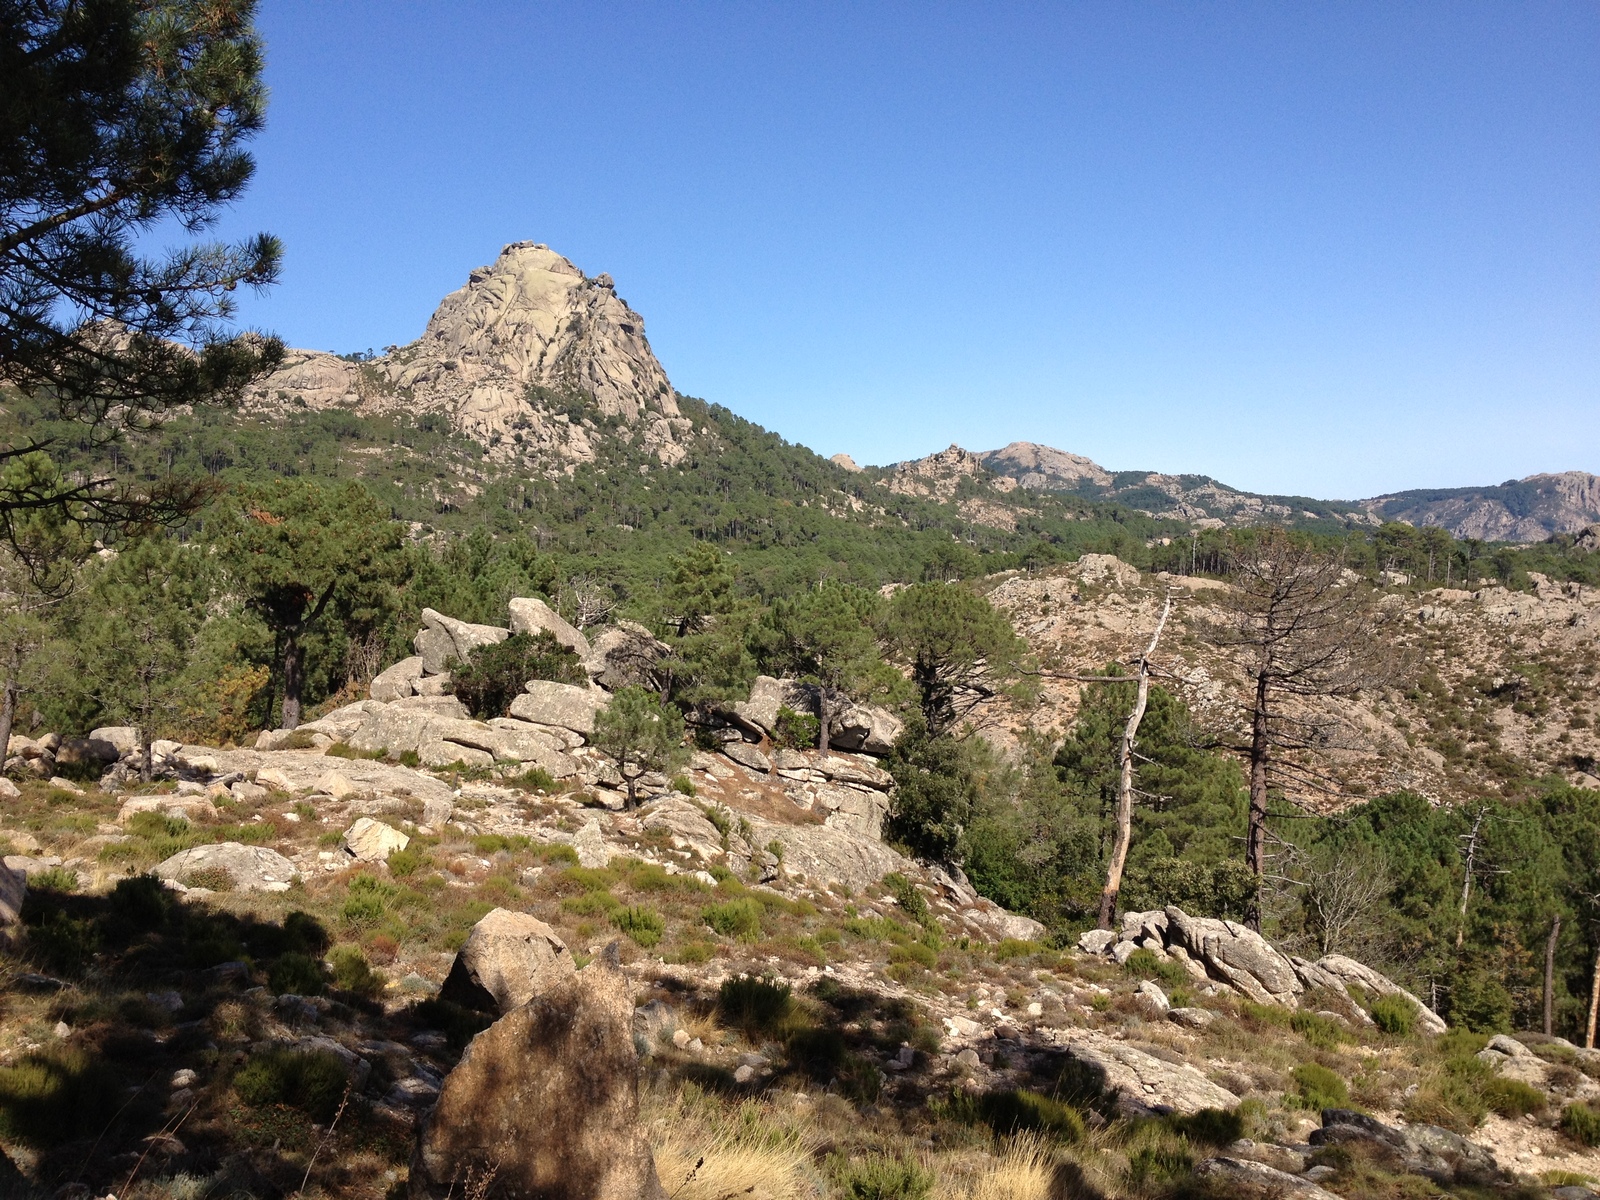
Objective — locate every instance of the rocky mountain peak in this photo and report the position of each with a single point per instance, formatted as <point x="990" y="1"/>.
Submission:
<point x="525" y="358"/>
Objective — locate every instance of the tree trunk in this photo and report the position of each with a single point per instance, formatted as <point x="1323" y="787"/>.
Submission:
<point x="1594" y="1001"/>
<point x="1550" y="976"/>
<point x="8" y="703"/>
<point x="825" y="718"/>
<point x="1256" y="841"/>
<point x="1119" y="848"/>
<point x="146" y="763"/>
<point x="293" y="680"/>
<point x="632" y="782"/>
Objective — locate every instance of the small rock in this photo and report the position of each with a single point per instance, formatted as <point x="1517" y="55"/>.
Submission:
<point x="1152" y="994"/>
<point x="1194" y="1018"/>
<point x="1096" y="941"/>
<point x="184" y="1078"/>
<point x="9" y="790"/>
<point x="680" y="1038"/>
<point x="373" y="841"/>
<point x="246" y="792"/>
<point x="744" y="1074"/>
<point x="968" y="1058"/>
<point x="748" y="756"/>
<point x="273" y="778"/>
<point x="336" y="785"/>
<point x="63" y="1030"/>
<point x="1035" y="1009"/>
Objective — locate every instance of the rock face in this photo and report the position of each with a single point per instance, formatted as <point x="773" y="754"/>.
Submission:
<point x="863" y="727"/>
<point x="548" y="1096"/>
<point x="625" y="655"/>
<point x="1142" y="1084"/>
<point x="530" y="615"/>
<point x="503" y="357"/>
<point x="1241" y="956"/>
<point x="251" y="868"/>
<point x="443" y="638"/>
<point x="1348" y="971"/>
<point x="399" y="680"/>
<point x="508" y="959"/>
<point x="560" y="704"/>
<point x="1442" y="1156"/>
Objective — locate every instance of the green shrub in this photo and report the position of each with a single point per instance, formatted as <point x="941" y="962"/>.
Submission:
<point x="1158" y="1164"/>
<point x="818" y="1051"/>
<point x="1321" y="1032"/>
<point x="1394" y="1014"/>
<point x="795" y="731"/>
<point x="295" y="974"/>
<point x="215" y="879"/>
<point x="645" y="926"/>
<point x="366" y="899"/>
<point x="534" y="778"/>
<point x="1022" y="1110"/>
<point x="591" y="904"/>
<point x="492" y="676"/>
<point x="683" y="785"/>
<point x="1143" y="964"/>
<point x="1318" y="1088"/>
<point x="55" y="879"/>
<point x="305" y="933"/>
<point x="1512" y="1098"/>
<point x="54" y="1096"/>
<point x="1582" y="1124"/>
<point x="1011" y="948"/>
<point x="310" y="1080"/>
<point x="914" y="952"/>
<point x="141" y="901"/>
<point x="64" y="943"/>
<point x="909" y="898"/>
<point x="735" y="918"/>
<point x="879" y="1177"/>
<point x="1209" y="1126"/>
<point x="492" y="843"/>
<point x="352" y="973"/>
<point x="407" y="862"/>
<point x="755" y="1005"/>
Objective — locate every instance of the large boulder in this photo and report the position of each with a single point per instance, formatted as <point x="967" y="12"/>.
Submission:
<point x="1139" y="1083"/>
<point x="249" y="868"/>
<point x="624" y="655"/>
<point x="866" y="728"/>
<point x="443" y="638"/>
<point x="373" y="841"/>
<point x="547" y="1099"/>
<point x="768" y="695"/>
<point x="123" y="738"/>
<point x="1442" y="1156"/>
<point x="549" y="703"/>
<point x="825" y="855"/>
<point x="508" y="959"/>
<point x="1237" y="955"/>
<point x="398" y="680"/>
<point x="530" y="615"/>
<point x="1349" y="972"/>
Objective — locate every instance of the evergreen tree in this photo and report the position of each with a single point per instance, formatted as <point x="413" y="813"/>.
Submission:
<point x="958" y="649"/>
<point x="639" y="733"/>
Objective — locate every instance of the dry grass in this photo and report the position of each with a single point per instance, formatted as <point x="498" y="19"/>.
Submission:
<point x="1024" y="1170"/>
<point x="710" y="1156"/>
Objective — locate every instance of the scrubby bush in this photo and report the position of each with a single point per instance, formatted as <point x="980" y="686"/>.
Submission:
<point x="1321" y="1032"/>
<point x="735" y="918"/>
<point x="1318" y="1088"/>
<point x="55" y="879"/>
<point x="63" y="943"/>
<point x="305" y="933"/>
<point x="55" y="1096"/>
<point x="1582" y="1124"/>
<point x="352" y="973"/>
<point x="1143" y="964"/>
<point x="1209" y="1126"/>
<point x="795" y="731"/>
<point x="645" y="926"/>
<point x="141" y="901"/>
<point x="1015" y="1111"/>
<point x="755" y="1005"/>
<point x="880" y="1178"/>
<point x="1512" y="1098"/>
<point x="313" y="1081"/>
<point x="492" y="676"/>
<point x="296" y="974"/>
<point x="1394" y="1014"/>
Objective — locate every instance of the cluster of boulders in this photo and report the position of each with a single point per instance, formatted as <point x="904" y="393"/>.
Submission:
<point x="1224" y="954"/>
<point x="115" y="747"/>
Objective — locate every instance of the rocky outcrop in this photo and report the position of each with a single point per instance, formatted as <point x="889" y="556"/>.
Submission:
<point x="559" y="704"/>
<point x="547" y="1098"/>
<point x="1442" y="1156"/>
<point x="504" y="358"/>
<point x="247" y="868"/>
<point x="1243" y="958"/>
<point x="860" y="727"/>
<point x="532" y="615"/>
<point x="507" y="960"/>
<point x="1348" y="972"/>
<point x="443" y="638"/>
<point x="625" y="654"/>
<point x="1140" y="1084"/>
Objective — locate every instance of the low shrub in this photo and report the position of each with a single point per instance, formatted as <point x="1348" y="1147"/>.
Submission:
<point x="352" y="973"/>
<point x="1016" y="948"/>
<point x="880" y="1177"/>
<point x="1322" y="1032"/>
<point x="54" y="1096"/>
<point x="1018" y="1111"/>
<point x="407" y="862"/>
<point x="909" y="898"/>
<point x="591" y="904"/>
<point x="645" y="926"/>
<point x="1318" y="1088"/>
<point x="141" y="901"/>
<point x="1158" y="1164"/>
<point x="493" y="675"/>
<point x="1394" y="1014"/>
<point x="296" y="974"/>
<point x="755" y="1005"/>
<point x="683" y="785"/>
<point x="1581" y="1123"/>
<point x="1512" y="1098"/>
<point x="55" y="879"/>
<point x="313" y="1081"/>
<point x="1143" y="964"/>
<point x="214" y="879"/>
<point x="735" y="918"/>
<point x="64" y="943"/>
<point x="303" y="932"/>
<point x="819" y="1051"/>
<point x="1209" y="1126"/>
<point x="795" y="731"/>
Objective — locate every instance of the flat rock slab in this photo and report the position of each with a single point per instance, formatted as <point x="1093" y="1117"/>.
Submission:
<point x="303" y="768"/>
<point x="1260" y="1179"/>
<point x="252" y="868"/>
<point x="1143" y="1084"/>
<point x="825" y="855"/>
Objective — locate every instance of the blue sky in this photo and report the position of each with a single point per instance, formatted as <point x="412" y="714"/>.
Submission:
<point x="1333" y="249"/>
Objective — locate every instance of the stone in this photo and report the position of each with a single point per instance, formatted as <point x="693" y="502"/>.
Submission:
<point x="507" y="959"/>
<point x="590" y="843"/>
<point x="1259" y="1179"/>
<point x="530" y="615"/>
<point x="398" y="680"/>
<point x="276" y="780"/>
<point x="680" y="1038"/>
<point x="183" y="1078"/>
<point x="460" y="639"/>
<point x="78" y="752"/>
<point x="625" y="655"/>
<point x="768" y="695"/>
<point x="1348" y="971"/>
<point x="9" y="790"/>
<point x="1123" y="951"/>
<point x="1097" y="941"/>
<point x="1237" y="955"/>
<point x="852" y="769"/>
<point x="124" y="739"/>
<point x="968" y="1059"/>
<point x="436" y="706"/>
<point x="434" y="752"/>
<point x="744" y="1073"/>
<point x="252" y="868"/>
<point x="1508" y="1046"/>
<point x="1153" y="994"/>
<point x="190" y="808"/>
<point x="13" y="891"/>
<point x="369" y="840"/>
<point x="684" y="821"/>
<point x="747" y="755"/>
<point x="859" y="810"/>
<point x="548" y="703"/>
<point x="867" y="728"/>
<point x="436" y="812"/>
<point x="825" y="855"/>
<point x="435" y="685"/>
<point x="1442" y="1156"/>
<point x="548" y="1098"/>
<point x="1141" y="1084"/>
<point x="1192" y="1018"/>
<point x="335" y="784"/>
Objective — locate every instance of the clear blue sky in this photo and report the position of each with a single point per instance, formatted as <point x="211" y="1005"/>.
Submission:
<point x="1334" y="249"/>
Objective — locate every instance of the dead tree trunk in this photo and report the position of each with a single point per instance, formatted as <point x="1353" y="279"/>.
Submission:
<point x="1471" y="839"/>
<point x="1130" y="733"/>
<point x="1594" y="1003"/>
<point x="1550" y="976"/>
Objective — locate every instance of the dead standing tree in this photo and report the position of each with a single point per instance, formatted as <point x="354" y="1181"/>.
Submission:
<point x="1308" y="630"/>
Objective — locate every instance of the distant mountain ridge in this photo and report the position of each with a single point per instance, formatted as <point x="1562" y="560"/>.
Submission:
<point x="1525" y="510"/>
